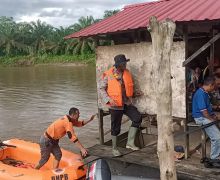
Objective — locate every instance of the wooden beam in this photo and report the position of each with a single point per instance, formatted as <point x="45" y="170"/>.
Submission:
<point x="204" y="47"/>
<point x="186" y="139"/>
<point x="212" y="56"/>
<point x="101" y="128"/>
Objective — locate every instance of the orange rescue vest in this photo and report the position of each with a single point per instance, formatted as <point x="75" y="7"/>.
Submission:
<point x="114" y="89"/>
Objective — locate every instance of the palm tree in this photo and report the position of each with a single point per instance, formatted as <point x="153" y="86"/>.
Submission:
<point x="40" y="38"/>
<point x="83" y="46"/>
<point x="25" y="36"/>
<point x="9" y="36"/>
<point x="58" y="45"/>
<point x="83" y="22"/>
<point x="40" y="33"/>
<point x="108" y="13"/>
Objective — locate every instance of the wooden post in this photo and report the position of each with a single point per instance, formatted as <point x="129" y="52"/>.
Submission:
<point x="212" y="56"/>
<point x="185" y="38"/>
<point x="203" y="48"/>
<point x="162" y="39"/>
<point x="101" y="129"/>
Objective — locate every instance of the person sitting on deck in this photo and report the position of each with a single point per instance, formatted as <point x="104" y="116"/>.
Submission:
<point x="116" y="89"/>
<point x="49" y="141"/>
<point x="203" y="114"/>
<point x="195" y="79"/>
<point x="215" y="95"/>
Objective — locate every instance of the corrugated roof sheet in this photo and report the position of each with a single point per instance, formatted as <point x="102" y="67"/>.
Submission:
<point x="137" y="15"/>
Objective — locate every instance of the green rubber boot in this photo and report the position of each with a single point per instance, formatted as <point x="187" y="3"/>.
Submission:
<point x="131" y="137"/>
<point x="115" y="151"/>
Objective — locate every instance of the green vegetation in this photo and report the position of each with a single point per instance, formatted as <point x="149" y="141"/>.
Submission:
<point x="31" y="60"/>
<point x="38" y="42"/>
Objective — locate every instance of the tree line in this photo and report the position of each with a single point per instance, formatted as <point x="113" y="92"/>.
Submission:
<point x="39" y="38"/>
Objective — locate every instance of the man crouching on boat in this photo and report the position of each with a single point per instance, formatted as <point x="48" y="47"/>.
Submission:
<point x="49" y="142"/>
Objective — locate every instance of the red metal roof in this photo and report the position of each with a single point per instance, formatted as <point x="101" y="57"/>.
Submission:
<point x="137" y="15"/>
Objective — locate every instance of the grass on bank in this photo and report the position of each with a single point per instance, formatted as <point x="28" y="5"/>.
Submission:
<point x="47" y="59"/>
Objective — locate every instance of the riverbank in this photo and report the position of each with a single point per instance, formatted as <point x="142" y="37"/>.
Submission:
<point x="48" y="59"/>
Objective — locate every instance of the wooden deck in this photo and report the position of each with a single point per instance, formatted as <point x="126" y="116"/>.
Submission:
<point x="187" y="168"/>
<point x="146" y="158"/>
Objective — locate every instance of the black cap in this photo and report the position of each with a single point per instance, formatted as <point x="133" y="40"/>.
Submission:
<point x="120" y="59"/>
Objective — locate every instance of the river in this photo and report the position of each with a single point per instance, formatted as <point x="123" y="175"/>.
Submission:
<point x="33" y="97"/>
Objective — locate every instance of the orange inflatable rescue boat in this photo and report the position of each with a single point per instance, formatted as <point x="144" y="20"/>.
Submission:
<point x="17" y="163"/>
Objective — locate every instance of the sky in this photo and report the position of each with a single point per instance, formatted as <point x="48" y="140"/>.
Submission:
<point x="59" y="12"/>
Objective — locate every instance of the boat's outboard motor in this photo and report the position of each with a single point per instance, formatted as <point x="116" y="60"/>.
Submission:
<point x="98" y="170"/>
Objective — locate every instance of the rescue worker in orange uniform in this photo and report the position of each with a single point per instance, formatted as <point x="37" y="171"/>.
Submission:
<point x="116" y="90"/>
<point x="49" y="141"/>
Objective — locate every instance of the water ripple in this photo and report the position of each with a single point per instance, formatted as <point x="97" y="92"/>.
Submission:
<point x="31" y="98"/>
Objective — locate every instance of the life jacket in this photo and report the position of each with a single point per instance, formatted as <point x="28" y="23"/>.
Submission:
<point x="60" y="127"/>
<point x="114" y="89"/>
